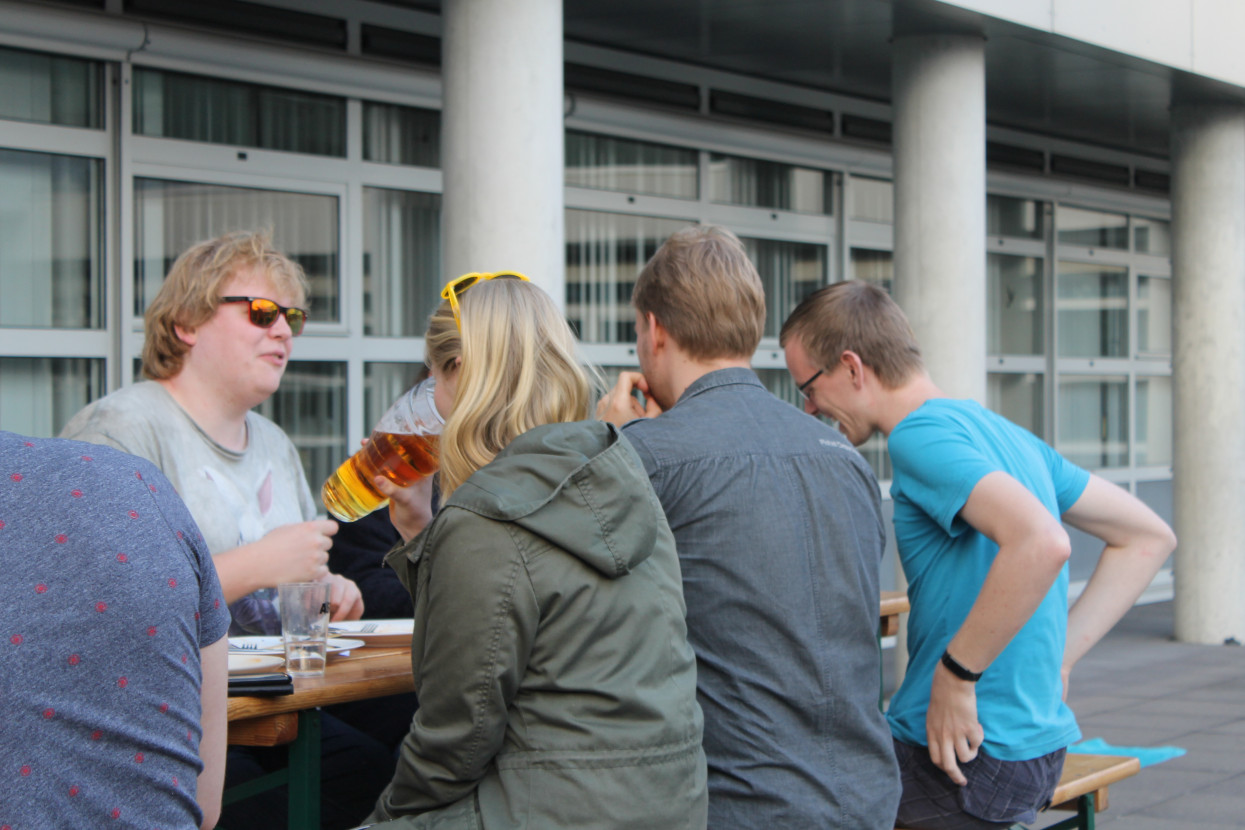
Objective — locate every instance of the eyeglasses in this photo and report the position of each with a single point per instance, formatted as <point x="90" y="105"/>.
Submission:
<point x="803" y="387"/>
<point x="455" y="287"/>
<point x="264" y="313"/>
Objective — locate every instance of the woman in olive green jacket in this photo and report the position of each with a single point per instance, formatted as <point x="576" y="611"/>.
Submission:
<point x="556" y="685"/>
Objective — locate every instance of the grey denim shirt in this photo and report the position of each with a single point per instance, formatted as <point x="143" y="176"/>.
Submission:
<point x="780" y="535"/>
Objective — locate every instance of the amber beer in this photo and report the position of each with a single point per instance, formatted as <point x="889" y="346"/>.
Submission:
<point x="403" y="449"/>
<point x="403" y="459"/>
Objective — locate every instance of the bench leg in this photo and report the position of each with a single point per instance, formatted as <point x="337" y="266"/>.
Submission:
<point x="304" y="769"/>
<point x="1084" y="818"/>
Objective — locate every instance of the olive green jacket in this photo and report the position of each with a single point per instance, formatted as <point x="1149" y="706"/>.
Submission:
<point x="556" y="685"/>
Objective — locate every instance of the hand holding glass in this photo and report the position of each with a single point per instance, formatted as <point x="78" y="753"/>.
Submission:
<point x="304" y="626"/>
<point x="403" y="449"/>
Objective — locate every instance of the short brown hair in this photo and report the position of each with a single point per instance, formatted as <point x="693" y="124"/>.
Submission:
<point x="190" y="293"/>
<point x="860" y="317"/>
<point x="705" y="291"/>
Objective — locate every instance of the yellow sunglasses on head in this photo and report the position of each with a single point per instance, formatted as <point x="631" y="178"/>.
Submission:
<point x="456" y="287"/>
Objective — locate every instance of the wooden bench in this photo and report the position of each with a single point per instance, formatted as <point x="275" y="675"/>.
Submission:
<point x="1083" y="787"/>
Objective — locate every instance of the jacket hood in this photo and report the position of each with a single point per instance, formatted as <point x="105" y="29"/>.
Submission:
<point x="580" y="486"/>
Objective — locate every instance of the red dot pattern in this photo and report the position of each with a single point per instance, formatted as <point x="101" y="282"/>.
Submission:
<point x="103" y="603"/>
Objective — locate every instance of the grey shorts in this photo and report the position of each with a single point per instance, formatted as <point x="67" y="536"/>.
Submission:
<point x="998" y="793"/>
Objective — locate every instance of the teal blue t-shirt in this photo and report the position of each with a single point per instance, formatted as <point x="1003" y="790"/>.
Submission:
<point x="939" y="453"/>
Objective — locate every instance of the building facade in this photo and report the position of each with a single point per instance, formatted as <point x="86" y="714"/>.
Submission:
<point x="1054" y="190"/>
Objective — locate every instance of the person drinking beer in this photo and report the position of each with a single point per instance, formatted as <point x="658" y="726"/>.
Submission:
<point x="218" y="338"/>
<point x="556" y="684"/>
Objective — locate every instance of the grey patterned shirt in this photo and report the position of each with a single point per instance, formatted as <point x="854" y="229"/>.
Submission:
<point x="780" y="535"/>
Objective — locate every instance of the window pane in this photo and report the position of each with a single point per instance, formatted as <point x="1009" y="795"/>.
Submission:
<point x="311" y="407"/>
<point x="401" y="135"/>
<point x="1092" y="228"/>
<point x="768" y="184"/>
<point x="50" y="89"/>
<point x="384" y="383"/>
<point x="1154" y="315"/>
<point x="1014" y="305"/>
<point x="1093" y="421"/>
<point x="173" y="105"/>
<point x="1019" y="398"/>
<point x="1152" y="236"/>
<point x="1153" y="421"/>
<point x="38" y="395"/>
<point x="1093" y="310"/>
<point x="876" y="267"/>
<point x="604" y="255"/>
<point x="51" y="241"/>
<point x="171" y="216"/>
<point x="607" y="163"/>
<point x="401" y="261"/>
<point x="789" y="271"/>
<point x="1006" y="216"/>
<point x="873" y="200"/>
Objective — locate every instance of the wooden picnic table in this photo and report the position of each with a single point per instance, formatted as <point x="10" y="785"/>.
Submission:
<point x="893" y="604"/>
<point x="295" y="720"/>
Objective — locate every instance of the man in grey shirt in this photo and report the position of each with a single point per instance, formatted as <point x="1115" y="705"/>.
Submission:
<point x="780" y="534"/>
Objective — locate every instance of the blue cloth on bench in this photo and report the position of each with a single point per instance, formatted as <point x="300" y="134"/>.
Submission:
<point x="1148" y="755"/>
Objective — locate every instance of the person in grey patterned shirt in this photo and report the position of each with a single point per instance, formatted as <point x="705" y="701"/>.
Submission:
<point x="112" y="696"/>
<point x="779" y="529"/>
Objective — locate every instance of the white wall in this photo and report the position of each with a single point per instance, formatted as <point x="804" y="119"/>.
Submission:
<point x="1200" y="36"/>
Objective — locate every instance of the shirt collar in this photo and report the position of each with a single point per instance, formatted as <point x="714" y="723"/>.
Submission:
<point x="720" y="377"/>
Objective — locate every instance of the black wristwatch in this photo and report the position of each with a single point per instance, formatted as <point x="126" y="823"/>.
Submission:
<point x="959" y="671"/>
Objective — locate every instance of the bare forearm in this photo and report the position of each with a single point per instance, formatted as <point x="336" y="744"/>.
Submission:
<point x="1019" y="579"/>
<point x="1119" y="579"/>
<point x="237" y="573"/>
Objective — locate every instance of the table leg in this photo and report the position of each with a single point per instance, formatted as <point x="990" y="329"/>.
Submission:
<point x="304" y="783"/>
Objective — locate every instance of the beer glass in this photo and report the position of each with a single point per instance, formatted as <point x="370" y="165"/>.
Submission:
<point x="403" y="448"/>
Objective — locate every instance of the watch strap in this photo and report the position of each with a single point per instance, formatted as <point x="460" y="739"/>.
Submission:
<point x="959" y="671"/>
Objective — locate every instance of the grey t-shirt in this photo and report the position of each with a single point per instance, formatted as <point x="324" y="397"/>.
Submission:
<point x="107" y="594"/>
<point x="236" y="497"/>
<point x="779" y="530"/>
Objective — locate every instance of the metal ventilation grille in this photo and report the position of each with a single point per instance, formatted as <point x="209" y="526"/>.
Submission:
<point x="590" y="79"/>
<point x="865" y="129"/>
<point x="380" y="42"/>
<point x="770" y="112"/>
<point x="1093" y="170"/>
<point x="1015" y="158"/>
<point x="1149" y="180"/>
<point x="252" y="18"/>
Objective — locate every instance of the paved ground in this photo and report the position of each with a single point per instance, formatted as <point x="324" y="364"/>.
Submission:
<point x="1139" y="687"/>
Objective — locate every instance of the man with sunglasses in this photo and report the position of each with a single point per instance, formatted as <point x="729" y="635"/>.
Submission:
<point x="218" y="339"/>
<point x="980" y="721"/>
<point x="779" y="530"/>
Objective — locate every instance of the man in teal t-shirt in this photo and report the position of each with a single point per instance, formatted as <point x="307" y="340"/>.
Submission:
<point x="980" y="722"/>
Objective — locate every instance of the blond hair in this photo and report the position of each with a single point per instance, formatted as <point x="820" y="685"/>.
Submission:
<point x="701" y="286"/>
<point x="191" y="292"/>
<point x="519" y="371"/>
<point x="859" y="317"/>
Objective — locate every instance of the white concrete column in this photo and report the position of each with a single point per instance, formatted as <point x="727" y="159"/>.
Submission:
<point x="1208" y="370"/>
<point x="502" y="142"/>
<point x="939" y="97"/>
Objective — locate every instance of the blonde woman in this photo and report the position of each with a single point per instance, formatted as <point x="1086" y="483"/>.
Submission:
<point x="556" y="684"/>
